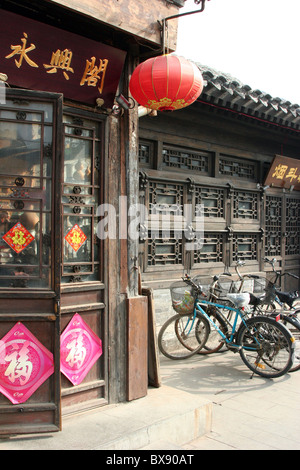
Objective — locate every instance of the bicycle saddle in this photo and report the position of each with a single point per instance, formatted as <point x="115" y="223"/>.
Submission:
<point x="288" y="297"/>
<point x="256" y="299"/>
<point x="239" y="300"/>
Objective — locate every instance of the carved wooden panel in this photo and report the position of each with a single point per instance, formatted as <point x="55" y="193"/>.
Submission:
<point x="273" y="237"/>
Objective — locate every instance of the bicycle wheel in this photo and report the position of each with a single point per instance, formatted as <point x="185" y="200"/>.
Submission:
<point x="267" y="347"/>
<point x="177" y="338"/>
<point x="295" y="314"/>
<point x="293" y="326"/>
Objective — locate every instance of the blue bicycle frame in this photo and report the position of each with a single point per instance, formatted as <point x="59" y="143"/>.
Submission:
<point x="238" y="315"/>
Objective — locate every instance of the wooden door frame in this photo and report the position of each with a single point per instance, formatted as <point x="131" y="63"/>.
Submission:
<point x="22" y="418"/>
<point x="97" y="290"/>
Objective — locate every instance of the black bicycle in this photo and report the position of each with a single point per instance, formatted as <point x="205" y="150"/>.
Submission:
<point x="272" y="303"/>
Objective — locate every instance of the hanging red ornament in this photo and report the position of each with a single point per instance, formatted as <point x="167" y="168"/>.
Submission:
<point x="166" y="83"/>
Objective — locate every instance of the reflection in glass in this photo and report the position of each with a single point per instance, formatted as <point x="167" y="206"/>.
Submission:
<point x="20" y="148"/>
<point x="71" y="252"/>
<point x="82" y="151"/>
<point x="26" y="159"/>
<point x="78" y="161"/>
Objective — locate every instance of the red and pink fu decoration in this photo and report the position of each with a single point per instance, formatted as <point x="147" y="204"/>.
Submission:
<point x="25" y="364"/>
<point x="166" y="83"/>
<point x="79" y="350"/>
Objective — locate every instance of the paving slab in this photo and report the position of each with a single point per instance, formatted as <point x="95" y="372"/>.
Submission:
<point x="164" y="412"/>
<point x="249" y="412"/>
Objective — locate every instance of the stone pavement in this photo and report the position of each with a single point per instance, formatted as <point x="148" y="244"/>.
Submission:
<point x="205" y="403"/>
<point x="247" y="414"/>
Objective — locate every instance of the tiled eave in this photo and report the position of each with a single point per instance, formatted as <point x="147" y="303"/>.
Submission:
<point x="227" y="92"/>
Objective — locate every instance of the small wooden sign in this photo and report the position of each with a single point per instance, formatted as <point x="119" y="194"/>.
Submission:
<point x="284" y="173"/>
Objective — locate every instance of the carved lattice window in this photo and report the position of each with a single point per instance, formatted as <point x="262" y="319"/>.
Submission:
<point x="26" y="194"/>
<point x="244" y="246"/>
<point x="146" y="149"/>
<point x="212" y="249"/>
<point x="245" y="205"/>
<point x="165" y="198"/>
<point x="233" y="226"/>
<point x="273" y="226"/>
<point x="237" y="168"/>
<point x="163" y="250"/>
<point x="292" y="226"/>
<point x="183" y="159"/>
<point x="80" y="199"/>
<point x="212" y="200"/>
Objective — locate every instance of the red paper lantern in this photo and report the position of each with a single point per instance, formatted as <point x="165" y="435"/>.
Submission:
<point x="166" y="83"/>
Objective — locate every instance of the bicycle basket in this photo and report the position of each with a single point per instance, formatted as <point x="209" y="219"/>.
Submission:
<point x="182" y="298"/>
<point x="225" y="287"/>
<point x="271" y="278"/>
<point x="270" y="287"/>
<point x="270" y="293"/>
<point x="265" y="286"/>
<point x="222" y="287"/>
<point x="259" y="285"/>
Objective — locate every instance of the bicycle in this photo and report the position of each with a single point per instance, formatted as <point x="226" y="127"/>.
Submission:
<point x="289" y="319"/>
<point x="265" y="346"/>
<point x="243" y="277"/>
<point x="180" y="330"/>
<point x="177" y="338"/>
<point x="266" y="305"/>
<point x="276" y="295"/>
<point x="217" y="291"/>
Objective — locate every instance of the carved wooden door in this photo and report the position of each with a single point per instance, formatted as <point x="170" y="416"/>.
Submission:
<point x="29" y="262"/>
<point x="83" y="286"/>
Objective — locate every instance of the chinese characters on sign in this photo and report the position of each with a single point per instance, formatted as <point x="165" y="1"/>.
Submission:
<point x="22" y="52"/>
<point x="62" y="60"/>
<point x="39" y="56"/>
<point x="93" y="74"/>
<point x="284" y="173"/>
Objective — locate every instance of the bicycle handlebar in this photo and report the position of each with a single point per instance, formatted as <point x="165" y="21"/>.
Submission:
<point x="251" y="276"/>
<point x="293" y="275"/>
<point x="188" y="280"/>
<point x="198" y="287"/>
<point x="272" y="263"/>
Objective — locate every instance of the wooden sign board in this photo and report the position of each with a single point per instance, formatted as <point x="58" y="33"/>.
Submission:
<point x="37" y="56"/>
<point x="284" y="173"/>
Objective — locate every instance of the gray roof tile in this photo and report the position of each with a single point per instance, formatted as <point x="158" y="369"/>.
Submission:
<point x="228" y="91"/>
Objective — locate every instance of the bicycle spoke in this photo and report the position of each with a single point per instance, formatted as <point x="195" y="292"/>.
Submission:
<point x="183" y="336"/>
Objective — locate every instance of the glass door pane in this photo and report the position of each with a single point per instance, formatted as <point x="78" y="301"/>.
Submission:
<point x="29" y="288"/>
<point x="26" y="160"/>
<point x="81" y="196"/>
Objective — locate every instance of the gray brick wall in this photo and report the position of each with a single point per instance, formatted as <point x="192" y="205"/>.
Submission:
<point x="163" y="306"/>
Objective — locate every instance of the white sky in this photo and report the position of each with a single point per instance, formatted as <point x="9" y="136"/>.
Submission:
<point x="255" y="41"/>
